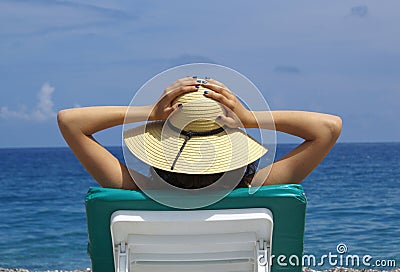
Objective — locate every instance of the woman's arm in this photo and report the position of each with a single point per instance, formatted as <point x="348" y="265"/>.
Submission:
<point x="319" y="131"/>
<point x="77" y="125"/>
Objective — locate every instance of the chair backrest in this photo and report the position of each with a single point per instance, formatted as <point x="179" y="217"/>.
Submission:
<point x="195" y="240"/>
<point x="287" y="203"/>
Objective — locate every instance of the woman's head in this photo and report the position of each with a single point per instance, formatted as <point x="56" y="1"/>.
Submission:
<point x="191" y="140"/>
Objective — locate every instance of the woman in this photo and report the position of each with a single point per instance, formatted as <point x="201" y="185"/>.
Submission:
<point x="319" y="131"/>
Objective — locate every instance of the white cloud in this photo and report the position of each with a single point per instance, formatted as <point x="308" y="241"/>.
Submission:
<point x="42" y="111"/>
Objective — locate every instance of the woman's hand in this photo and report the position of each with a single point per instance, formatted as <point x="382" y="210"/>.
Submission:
<point x="164" y="107"/>
<point x="236" y="114"/>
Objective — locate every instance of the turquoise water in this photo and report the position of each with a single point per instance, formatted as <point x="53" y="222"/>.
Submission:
<point x="353" y="198"/>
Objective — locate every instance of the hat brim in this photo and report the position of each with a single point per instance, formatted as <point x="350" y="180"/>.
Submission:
<point x="157" y="145"/>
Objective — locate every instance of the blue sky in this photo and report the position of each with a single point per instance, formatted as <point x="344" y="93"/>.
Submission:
<point x="339" y="57"/>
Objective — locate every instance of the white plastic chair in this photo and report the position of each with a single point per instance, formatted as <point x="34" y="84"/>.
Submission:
<point x="192" y="241"/>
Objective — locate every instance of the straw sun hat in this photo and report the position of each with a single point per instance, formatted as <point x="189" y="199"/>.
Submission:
<point x="191" y="142"/>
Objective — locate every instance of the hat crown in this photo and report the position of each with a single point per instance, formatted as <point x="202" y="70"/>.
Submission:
<point x="198" y="112"/>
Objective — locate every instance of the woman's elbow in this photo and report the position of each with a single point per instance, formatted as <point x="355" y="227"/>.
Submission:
<point x="333" y="127"/>
<point x="65" y="118"/>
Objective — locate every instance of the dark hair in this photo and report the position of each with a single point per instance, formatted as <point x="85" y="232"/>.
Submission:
<point x="196" y="181"/>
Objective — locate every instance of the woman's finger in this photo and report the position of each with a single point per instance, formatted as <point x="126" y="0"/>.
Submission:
<point x="216" y="82"/>
<point x="186" y="81"/>
<point x="171" y="95"/>
<point x="221" y="90"/>
<point x="176" y="106"/>
<point x="223" y="120"/>
<point x="220" y="98"/>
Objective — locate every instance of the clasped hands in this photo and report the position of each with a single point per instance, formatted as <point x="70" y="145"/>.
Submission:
<point x="236" y="115"/>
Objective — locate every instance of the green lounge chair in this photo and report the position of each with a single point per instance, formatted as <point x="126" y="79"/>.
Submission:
<point x="263" y="231"/>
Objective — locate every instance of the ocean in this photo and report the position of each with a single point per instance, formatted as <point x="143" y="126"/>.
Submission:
<point x="353" y="201"/>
